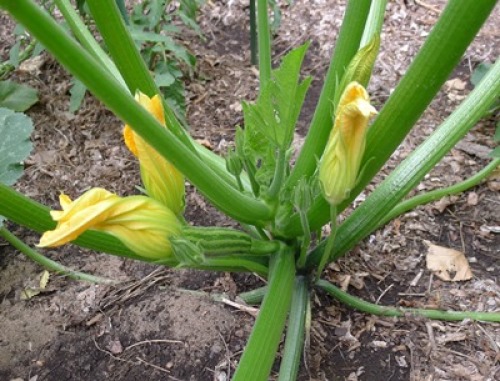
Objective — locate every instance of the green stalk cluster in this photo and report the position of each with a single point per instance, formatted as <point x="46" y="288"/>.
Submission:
<point x="281" y="206"/>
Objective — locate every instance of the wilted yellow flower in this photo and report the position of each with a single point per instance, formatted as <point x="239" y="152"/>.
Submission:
<point x="162" y="180"/>
<point x="141" y="223"/>
<point x="339" y="165"/>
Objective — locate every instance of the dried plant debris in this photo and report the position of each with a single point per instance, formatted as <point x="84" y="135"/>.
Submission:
<point x="447" y="264"/>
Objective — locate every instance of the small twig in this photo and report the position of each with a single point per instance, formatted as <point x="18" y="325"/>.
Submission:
<point x="430" y="333"/>
<point x="383" y="293"/>
<point x="153" y="342"/>
<point x="427" y="6"/>
<point x="415" y="280"/>
<point x="250" y="310"/>
<point x="152" y="365"/>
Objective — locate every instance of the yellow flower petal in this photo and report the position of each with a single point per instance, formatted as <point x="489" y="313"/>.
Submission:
<point x="341" y="160"/>
<point x="161" y="179"/>
<point x="140" y="222"/>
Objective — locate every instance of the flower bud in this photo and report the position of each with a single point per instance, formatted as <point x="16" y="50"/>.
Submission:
<point x="162" y="180"/>
<point x="341" y="160"/>
<point x="141" y="223"/>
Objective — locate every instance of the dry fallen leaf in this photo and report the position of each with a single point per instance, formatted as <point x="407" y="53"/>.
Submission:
<point x="443" y="261"/>
<point x="30" y="292"/>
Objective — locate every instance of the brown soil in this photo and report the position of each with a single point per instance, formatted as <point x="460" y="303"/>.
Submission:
<point x="161" y="324"/>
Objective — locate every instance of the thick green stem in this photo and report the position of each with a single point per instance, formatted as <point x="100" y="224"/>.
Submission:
<point x="412" y="170"/>
<point x="438" y="56"/>
<point x="50" y="264"/>
<point x="121" y="46"/>
<point x="345" y="48"/>
<point x="437" y="194"/>
<point x="98" y="80"/>
<point x="260" y="352"/>
<point x="294" y="343"/>
<point x="375" y="309"/>
<point x="264" y="43"/>
<point x="83" y="35"/>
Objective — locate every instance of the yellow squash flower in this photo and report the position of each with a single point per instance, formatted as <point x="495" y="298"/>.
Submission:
<point x="141" y="223"/>
<point x="339" y="165"/>
<point x="162" y="180"/>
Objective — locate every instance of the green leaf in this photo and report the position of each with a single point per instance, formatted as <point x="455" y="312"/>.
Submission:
<point x="278" y="106"/>
<point x="15" y="144"/>
<point x="164" y="79"/>
<point x="77" y="93"/>
<point x="480" y="72"/>
<point x="495" y="152"/>
<point x="497" y="133"/>
<point x="17" y="97"/>
<point x="14" y="53"/>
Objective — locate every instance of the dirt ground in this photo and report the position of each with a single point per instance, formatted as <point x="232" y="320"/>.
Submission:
<point x="161" y="324"/>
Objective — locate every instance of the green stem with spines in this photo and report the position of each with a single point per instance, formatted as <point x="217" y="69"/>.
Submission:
<point x="295" y="332"/>
<point x="260" y="351"/>
<point x="49" y="264"/>
<point x="99" y="81"/>
<point x="375" y="309"/>
<point x="345" y="48"/>
<point x="368" y="216"/>
<point x="428" y="72"/>
<point x="223" y="241"/>
<point x="437" y="194"/>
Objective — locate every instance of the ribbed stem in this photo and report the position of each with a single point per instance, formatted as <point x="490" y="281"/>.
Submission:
<point x="258" y="357"/>
<point x="295" y="334"/>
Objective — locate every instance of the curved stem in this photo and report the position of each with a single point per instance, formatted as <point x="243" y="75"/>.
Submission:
<point x="50" y="264"/>
<point x="260" y="351"/>
<point x="437" y="194"/>
<point x="375" y="309"/>
<point x="294" y="342"/>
